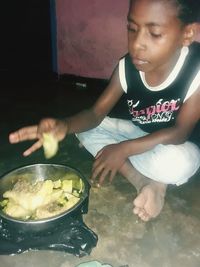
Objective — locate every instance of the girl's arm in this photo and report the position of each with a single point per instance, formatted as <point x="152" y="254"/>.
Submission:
<point x="83" y="121"/>
<point x="92" y="117"/>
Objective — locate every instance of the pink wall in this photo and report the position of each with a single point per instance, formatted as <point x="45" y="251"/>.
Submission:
<point x="91" y="36"/>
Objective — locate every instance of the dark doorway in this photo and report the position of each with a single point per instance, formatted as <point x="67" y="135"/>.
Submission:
<point x="26" y="44"/>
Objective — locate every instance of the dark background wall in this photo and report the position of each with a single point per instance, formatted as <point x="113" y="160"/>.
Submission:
<point x="25" y="45"/>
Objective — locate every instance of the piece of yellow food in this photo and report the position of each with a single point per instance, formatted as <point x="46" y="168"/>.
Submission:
<point x="50" y="145"/>
<point x="55" y="209"/>
<point x="42" y="199"/>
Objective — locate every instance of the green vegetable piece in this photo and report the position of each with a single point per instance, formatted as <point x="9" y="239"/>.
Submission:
<point x="3" y="203"/>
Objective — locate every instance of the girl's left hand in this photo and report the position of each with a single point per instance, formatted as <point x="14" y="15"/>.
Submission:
<point x="108" y="161"/>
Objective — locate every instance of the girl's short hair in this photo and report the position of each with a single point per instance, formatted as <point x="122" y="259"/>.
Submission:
<point x="188" y="10"/>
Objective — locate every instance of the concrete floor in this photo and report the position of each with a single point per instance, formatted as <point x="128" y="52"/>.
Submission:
<point x="171" y="240"/>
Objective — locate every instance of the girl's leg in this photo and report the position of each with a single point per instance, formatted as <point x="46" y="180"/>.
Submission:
<point x="171" y="164"/>
<point x="162" y="165"/>
<point x="113" y="131"/>
<point x="110" y="131"/>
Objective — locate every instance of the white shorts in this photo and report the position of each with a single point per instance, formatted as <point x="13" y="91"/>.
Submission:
<point x="169" y="164"/>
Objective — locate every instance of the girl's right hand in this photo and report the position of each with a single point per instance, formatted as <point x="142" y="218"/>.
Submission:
<point x="54" y="126"/>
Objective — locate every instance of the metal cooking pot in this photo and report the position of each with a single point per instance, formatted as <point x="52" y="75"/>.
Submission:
<point x="41" y="172"/>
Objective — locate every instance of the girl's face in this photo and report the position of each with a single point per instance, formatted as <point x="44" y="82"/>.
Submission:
<point x="155" y="35"/>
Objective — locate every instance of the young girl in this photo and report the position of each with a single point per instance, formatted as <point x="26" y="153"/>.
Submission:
<point x="160" y="77"/>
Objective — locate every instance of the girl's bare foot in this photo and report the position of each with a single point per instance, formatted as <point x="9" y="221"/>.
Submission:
<point x="149" y="202"/>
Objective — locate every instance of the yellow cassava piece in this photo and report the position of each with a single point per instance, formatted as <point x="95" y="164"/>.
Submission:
<point x="50" y="145"/>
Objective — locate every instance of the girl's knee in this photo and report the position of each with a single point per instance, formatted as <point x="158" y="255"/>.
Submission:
<point x="178" y="163"/>
<point x="171" y="164"/>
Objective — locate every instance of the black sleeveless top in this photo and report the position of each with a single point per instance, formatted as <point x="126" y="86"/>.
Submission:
<point x="155" y="110"/>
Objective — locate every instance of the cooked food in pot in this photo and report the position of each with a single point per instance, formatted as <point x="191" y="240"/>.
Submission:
<point x="43" y="199"/>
